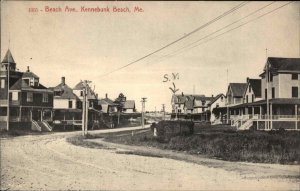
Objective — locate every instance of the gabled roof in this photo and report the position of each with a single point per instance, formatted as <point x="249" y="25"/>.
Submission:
<point x="255" y="84"/>
<point x="129" y="104"/>
<point x="277" y="64"/>
<point x="90" y="93"/>
<point x="216" y="98"/>
<point x="238" y="89"/>
<point x="8" y="58"/>
<point x="106" y="101"/>
<point x="181" y="99"/>
<point x="29" y="75"/>
<point x="284" y="63"/>
<point x="22" y="85"/>
<point x="67" y="92"/>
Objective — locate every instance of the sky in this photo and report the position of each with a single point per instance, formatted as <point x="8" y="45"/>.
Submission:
<point x="88" y="45"/>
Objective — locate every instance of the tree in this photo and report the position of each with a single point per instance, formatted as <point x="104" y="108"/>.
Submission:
<point x="120" y="100"/>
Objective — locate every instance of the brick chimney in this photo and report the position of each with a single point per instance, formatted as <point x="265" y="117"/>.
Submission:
<point x="106" y="95"/>
<point x="28" y="70"/>
<point x="63" y="80"/>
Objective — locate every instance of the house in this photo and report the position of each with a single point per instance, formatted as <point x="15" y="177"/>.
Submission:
<point x="218" y="101"/>
<point x="129" y="106"/>
<point x="235" y="93"/>
<point x="92" y="97"/>
<point x="67" y="107"/>
<point x="185" y="103"/>
<point x="30" y="103"/>
<point x="278" y="103"/>
<point x="108" y="106"/>
<point x="253" y="91"/>
<point x="94" y="109"/>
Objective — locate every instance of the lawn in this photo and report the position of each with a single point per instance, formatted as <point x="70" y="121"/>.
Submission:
<point x="225" y="143"/>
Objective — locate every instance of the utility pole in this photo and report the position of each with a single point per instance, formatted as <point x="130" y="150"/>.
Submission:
<point x="227" y="108"/>
<point x="8" y="77"/>
<point x="163" y="108"/>
<point x="143" y="111"/>
<point x="267" y="84"/>
<point x="85" y="106"/>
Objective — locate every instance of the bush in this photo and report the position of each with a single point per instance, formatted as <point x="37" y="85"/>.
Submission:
<point x="167" y="129"/>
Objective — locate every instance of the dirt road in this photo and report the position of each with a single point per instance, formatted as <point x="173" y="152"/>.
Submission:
<point x="48" y="162"/>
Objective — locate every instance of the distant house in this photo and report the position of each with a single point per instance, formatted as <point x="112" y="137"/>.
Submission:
<point x="218" y="101"/>
<point x="235" y="93"/>
<point x="92" y="97"/>
<point x="253" y="91"/>
<point x="187" y="103"/>
<point x="108" y="106"/>
<point x="129" y="106"/>
<point x="66" y="106"/>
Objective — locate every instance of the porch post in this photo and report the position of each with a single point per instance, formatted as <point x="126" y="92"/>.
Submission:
<point x="296" y="117"/>
<point x="20" y="113"/>
<point x="260" y="110"/>
<point x="31" y="115"/>
<point x="252" y="111"/>
<point x="271" y="115"/>
<point x="42" y="114"/>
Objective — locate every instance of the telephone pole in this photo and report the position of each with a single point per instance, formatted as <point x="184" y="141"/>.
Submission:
<point x="85" y="107"/>
<point x="143" y="111"/>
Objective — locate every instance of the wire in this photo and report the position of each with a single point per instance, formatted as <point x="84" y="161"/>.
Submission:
<point x="181" y="38"/>
<point x="188" y="48"/>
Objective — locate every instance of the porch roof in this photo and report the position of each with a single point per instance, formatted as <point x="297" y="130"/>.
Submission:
<point x="277" y="101"/>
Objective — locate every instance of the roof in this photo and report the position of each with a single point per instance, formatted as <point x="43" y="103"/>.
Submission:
<point x="238" y="89"/>
<point x="256" y="86"/>
<point x="129" y="104"/>
<point x="90" y="93"/>
<point x="277" y="63"/>
<point x="29" y="75"/>
<point x="216" y="98"/>
<point x="67" y="92"/>
<point x="22" y="85"/>
<point x="106" y="101"/>
<point x="181" y="99"/>
<point x="8" y="58"/>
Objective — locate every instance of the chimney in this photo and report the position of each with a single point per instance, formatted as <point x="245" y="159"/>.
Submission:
<point x="212" y="95"/>
<point x="63" y="80"/>
<point x="28" y="69"/>
<point x="247" y="79"/>
<point x="182" y="94"/>
<point x="106" y="95"/>
<point x="96" y="96"/>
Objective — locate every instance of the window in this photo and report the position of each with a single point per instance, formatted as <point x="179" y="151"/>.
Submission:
<point x="294" y="76"/>
<point x="252" y="98"/>
<point x="81" y="93"/>
<point x="246" y="98"/>
<point x="217" y="105"/>
<point x="249" y="89"/>
<point x="273" y="92"/>
<point x="29" y="96"/>
<point x="295" y="92"/>
<point x="70" y="104"/>
<point x="266" y="94"/>
<point x="45" y="98"/>
<point x="15" y="96"/>
<point x="2" y="83"/>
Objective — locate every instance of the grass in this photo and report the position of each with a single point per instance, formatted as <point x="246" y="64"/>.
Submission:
<point x="16" y="133"/>
<point x="225" y="143"/>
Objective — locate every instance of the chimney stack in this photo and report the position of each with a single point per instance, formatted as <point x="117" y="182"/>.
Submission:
<point x="63" y="80"/>
<point x="106" y="95"/>
<point x="28" y="69"/>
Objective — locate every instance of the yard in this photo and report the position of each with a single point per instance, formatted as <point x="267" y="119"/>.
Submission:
<point x="223" y="142"/>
